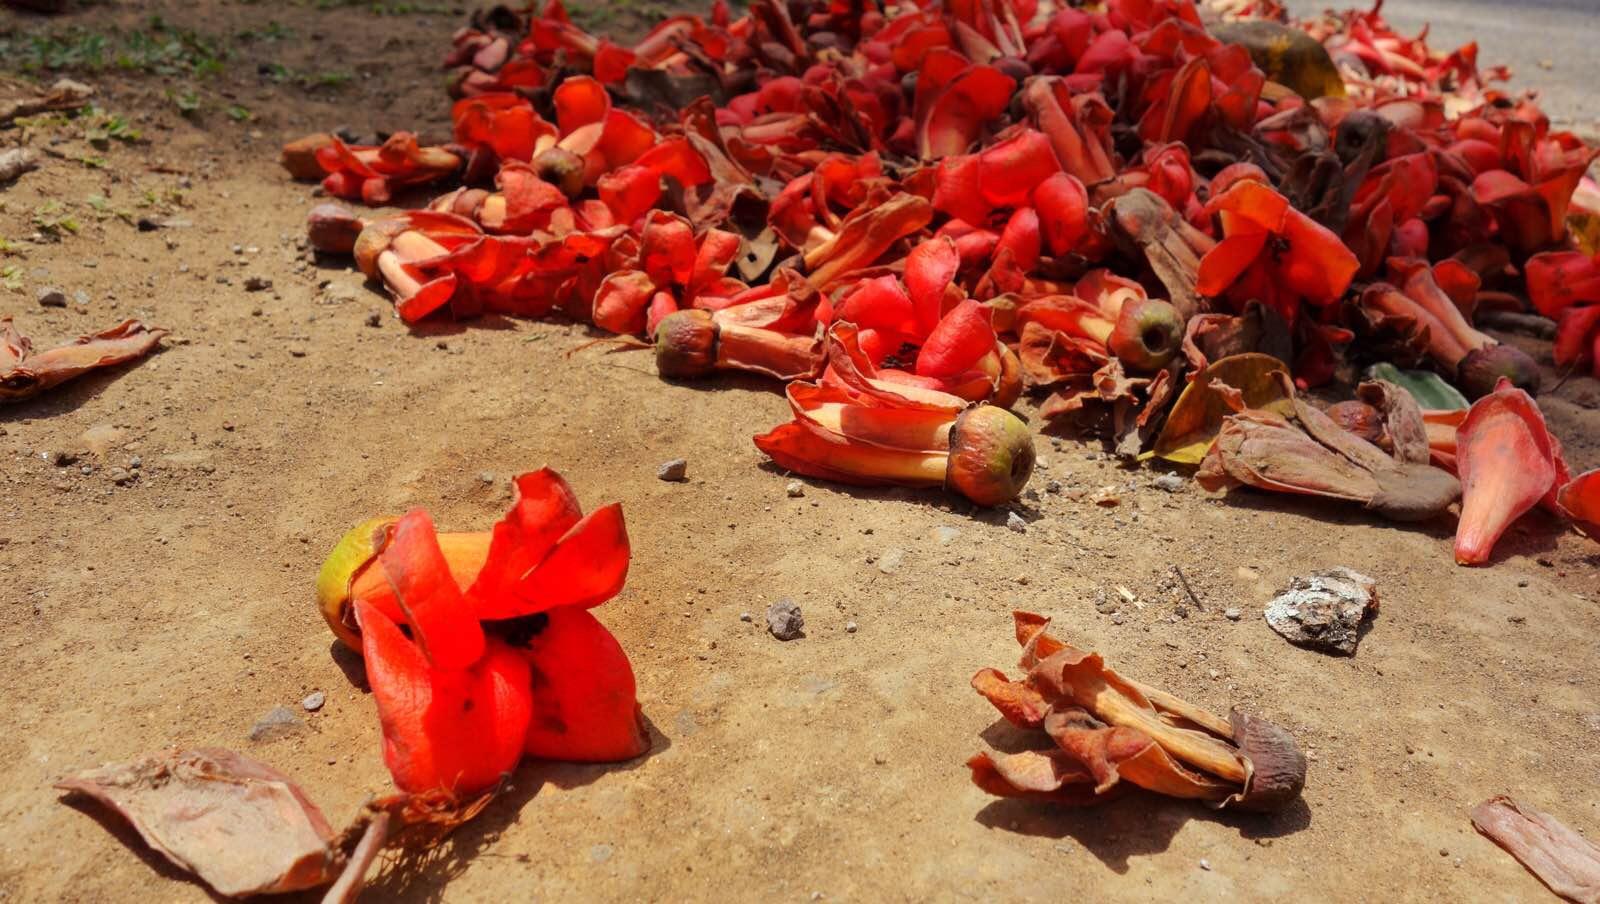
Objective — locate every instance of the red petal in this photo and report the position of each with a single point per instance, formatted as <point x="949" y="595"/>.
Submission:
<point x="545" y="508"/>
<point x="1023" y="238"/>
<point x="445" y="626"/>
<point x="629" y="192"/>
<point x="1011" y="170"/>
<point x="621" y="302"/>
<point x="929" y="270"/>
<point x="957" y="116"/>
<point x="961" y="339"/>
<point x="579" y="101"/>
<point x="1575" y="337"/>
<point x="453" y="730"/>
<point x="1580" y="501"/>
<point x="879" y="304"/>
<point x="611" y="63"/>
<point x="1318" y="265"/>
<point x="1226" y="262"/>
<point x="584" y="708"/>
<point x="666" y="249"/>
<point x="958" y="189"/>
<point x="1559" y="279"/>
<point x="1506" y="461"/>
<point x="1063" y="206"/>
<point x="587" y="567"/>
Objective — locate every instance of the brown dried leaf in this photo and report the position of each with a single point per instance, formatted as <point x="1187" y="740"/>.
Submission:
<point x="1564" y="861"/>
<point x="240" y="825"/>
<point x="24" y="374"/>
<point x="1239" y="381"/>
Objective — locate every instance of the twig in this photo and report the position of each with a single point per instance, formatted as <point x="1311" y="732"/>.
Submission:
<point x="1187" y="589"/>
<point x="345" y="889"/>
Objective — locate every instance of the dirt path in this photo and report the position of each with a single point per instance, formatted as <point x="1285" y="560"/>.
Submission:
<point x="175" y="607"/>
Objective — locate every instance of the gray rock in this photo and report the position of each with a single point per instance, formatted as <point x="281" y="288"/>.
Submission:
<point x="795" y="489"/>
<point x="81" y="297"/>
<point x="313" y="701"/>
<point x="785" y="621"/>
<point x="746" y="617"/>
<point x="946" y="535"/>
<point x="1172" y="483"/>
<point x="51" y="298"/>
<point x="850" y="627"/>
<point x="1015" y="522"/>
<point x="889" y="562"/>
<point x="279" y="722"/>
<point x="1233" y="614"/>
<point x="674" y="470"/>
<point x="1323" y="611"/>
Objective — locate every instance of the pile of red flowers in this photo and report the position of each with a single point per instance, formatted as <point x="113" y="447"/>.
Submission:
<point x="908" y="210"/>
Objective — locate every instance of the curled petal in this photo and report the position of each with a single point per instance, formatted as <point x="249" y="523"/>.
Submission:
<point x="459" y="731"/>
<point x="588" y="565"/>
<point x="544" y="510"/>
<point x="1507" y="464"/>
<point x="584" y="705"/>
<point x="443" y="623"/>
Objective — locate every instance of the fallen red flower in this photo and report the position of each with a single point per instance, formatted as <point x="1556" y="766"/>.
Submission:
<point x="502" y="660"/>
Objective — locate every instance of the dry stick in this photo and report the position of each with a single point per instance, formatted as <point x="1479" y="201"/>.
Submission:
<point x="345" y="889"/>
<point x="1187" y="589"/>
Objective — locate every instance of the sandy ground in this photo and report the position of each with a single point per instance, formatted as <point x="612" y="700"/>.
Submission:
<point x="176" y="608"/>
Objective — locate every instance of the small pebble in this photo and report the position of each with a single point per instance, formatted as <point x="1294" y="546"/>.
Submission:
<point x="135" y="462"/>
<point x="795" y="489"/>
<point x="1015" y="522"/>
<point x="257" y="284"/>
<point x="1205" y="865"/>
<point x="121" y="476"/>
<point x="850" y="627"/>
<point x="745" y="617"/>
<point x="674" y="470"/>
<point x="59" y="458"/>
<point x="313" y="701"/>
<point x="1233" y="614"/>
<point x="52" y="298"/>
<point x="486" y="476"/>
<point x="1172" y="483"/>
<point x="374" y="319"/>
<point x="81" y="297"/>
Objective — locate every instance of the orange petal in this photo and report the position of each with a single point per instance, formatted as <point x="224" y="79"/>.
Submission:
<point x="1020" y="703"/>
<point x="445" y="626"/>
<point x="1506" y="462"/>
